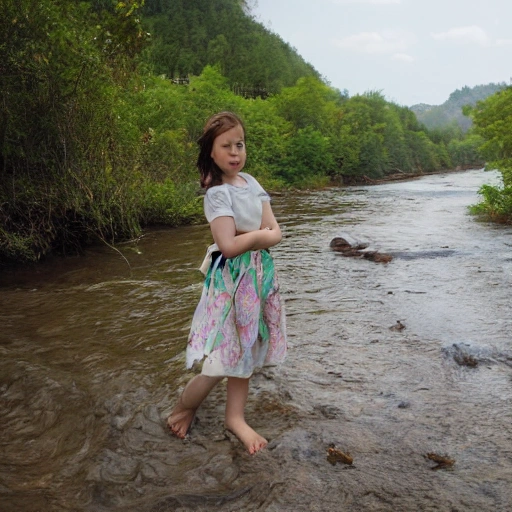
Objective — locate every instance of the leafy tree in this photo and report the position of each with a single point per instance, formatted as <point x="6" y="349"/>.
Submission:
<point x="493" y="122"/>
<point x="189" y="35"/>
<point x="493" y="119"/>
<point x="466" y="152"/>
<point x="61" y="156"/>
<point x="97" y="142"/>
<point x="267" y="136"/>
<point x="425" y="156"/>
<point x="308" y="158"/>
<point x="364" y="127"/>
<point x="309" y="103"/>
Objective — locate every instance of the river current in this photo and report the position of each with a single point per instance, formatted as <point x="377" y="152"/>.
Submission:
<point x="404" y="367"/>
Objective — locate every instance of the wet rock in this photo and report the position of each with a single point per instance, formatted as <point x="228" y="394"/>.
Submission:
<point x="335" y="455"/>
<point x="348" y="246"/>
<point x="327" y="411"/>
<point x="461" y="355"/>
<point x="465" y="359"/>
<point x="442" y="461"/>
<point x="304" y="454"/>
<point x="213" y="501"/>
<point x="119" y="468"/>
<point x="155" y="471"/>
<point x="148" y="426"/>
<point x="219" y="471"/>
<point x="399" y="326"/>
<point x="376" y="256"/>
<point x="297" y="445"/>
<point x="121" y="422"/>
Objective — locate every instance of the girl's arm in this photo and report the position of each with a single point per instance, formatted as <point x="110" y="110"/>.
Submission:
<point x="231" y="244"/>
<point x="268" y="220"/>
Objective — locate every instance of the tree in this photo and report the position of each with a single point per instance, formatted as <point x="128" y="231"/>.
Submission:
<point x="60" y="154"/>
<point x="310" y="103"/>
<point x="308" y="157"/>
<point x="493" y="122"/>
<point x="493" y="119"/>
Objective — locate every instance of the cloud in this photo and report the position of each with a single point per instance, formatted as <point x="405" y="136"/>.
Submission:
<point x="404" y="57"/>
<point x="464" y="35"/>
<point x="503" y="42"/>
<point x="377" y="43"/>
<point x="373" y="2"/>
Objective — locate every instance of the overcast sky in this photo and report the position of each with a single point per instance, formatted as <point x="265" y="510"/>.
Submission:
<point x="413" y="51"/>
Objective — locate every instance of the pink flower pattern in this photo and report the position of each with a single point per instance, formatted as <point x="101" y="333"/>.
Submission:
<point x="240" y="317"/>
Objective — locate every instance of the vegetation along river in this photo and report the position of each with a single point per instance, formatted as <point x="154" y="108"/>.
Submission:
<point x="395" y="396"/>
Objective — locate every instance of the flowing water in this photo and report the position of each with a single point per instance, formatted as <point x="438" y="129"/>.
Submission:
<point x="394" y="364"/>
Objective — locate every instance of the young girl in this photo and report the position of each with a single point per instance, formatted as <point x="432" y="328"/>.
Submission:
<point x="239" y="323"/>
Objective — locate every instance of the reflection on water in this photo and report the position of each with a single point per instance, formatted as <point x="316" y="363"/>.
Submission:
<point x="92" y="347"/>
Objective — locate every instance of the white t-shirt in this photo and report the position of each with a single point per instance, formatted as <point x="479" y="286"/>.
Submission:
<point x="244" y="204"/>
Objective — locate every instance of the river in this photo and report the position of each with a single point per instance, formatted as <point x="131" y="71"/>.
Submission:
<point x="393" y="364"/>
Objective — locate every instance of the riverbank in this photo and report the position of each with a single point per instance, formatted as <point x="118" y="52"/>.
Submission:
<point x="405" y="176"/>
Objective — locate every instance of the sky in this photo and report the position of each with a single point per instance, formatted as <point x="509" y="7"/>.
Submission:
<point x="411" y="51"/>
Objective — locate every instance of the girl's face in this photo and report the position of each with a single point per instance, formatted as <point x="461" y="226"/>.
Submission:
<point x="228" y="151"/>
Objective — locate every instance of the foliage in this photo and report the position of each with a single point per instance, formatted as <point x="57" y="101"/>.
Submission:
<point x="309" y="103"/>
<point x="170" y="203"/>
<point x="267" y="135"/>
<point x="307" y="159"/>
<point x="493" y="120"/>
<point x="189" y="35"/>
<point x="493" y="123"/>
<point x="496" y="204"/>
<point x="62" y="156"/>
<point x="95" y="146"/>
<point x="466" y="151"/>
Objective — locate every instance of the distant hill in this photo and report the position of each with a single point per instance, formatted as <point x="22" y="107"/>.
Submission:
<point x="187" y="35"/>
<point x="439" y="116"/>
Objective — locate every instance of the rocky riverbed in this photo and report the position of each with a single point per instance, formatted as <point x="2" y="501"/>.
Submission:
<point x="395" y="395"/>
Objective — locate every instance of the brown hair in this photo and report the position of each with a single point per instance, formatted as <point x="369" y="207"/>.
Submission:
<point x="210" y="173"/>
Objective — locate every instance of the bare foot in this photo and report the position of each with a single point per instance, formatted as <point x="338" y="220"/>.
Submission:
<point x="180" y="420"/>
<point x="252" y="441"/>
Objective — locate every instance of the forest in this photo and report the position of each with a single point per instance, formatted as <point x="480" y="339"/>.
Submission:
<point x="102" y="103"/>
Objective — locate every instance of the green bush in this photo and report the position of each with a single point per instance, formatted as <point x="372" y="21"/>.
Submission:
<point x="496" y="204"/>
<point x="308" y="159"/>
<point x="170" y="204"/>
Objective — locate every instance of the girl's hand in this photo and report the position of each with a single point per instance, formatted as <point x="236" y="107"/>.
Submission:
<point x="232" y="244"/>
<point x="271" y="236"/>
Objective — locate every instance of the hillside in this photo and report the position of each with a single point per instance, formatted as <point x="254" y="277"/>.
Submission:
<point x="187" y="35"/>
<point x="439" y="116"/>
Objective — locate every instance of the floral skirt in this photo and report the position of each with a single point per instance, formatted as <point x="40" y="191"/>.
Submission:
<point x="239" y="323"/>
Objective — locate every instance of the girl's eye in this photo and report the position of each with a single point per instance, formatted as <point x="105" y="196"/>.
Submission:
<point x="240" y="145"/>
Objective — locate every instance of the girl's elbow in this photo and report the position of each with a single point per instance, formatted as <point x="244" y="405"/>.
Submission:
<point x="229" y="253"/>
<point x="229" y="250"/>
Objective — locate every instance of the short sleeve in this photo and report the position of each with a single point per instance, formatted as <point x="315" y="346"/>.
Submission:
<point x="217" y="203"/>
<point x="256" y="187"/>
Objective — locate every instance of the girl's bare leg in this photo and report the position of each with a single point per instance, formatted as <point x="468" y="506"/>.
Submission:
<point x="238" y="390"/>
<point x="192" y="397"/>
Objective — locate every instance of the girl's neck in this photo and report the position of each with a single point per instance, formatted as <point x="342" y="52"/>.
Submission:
<point x="236" y="181"/>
